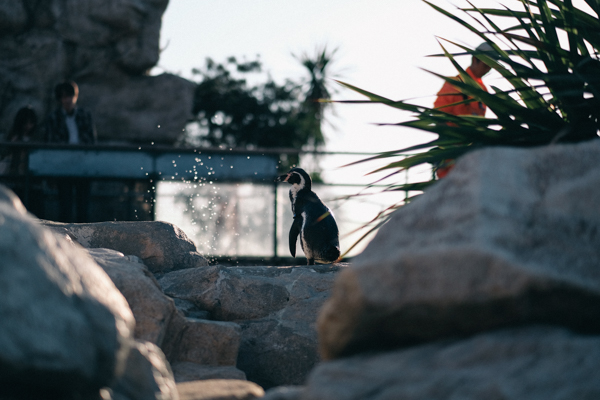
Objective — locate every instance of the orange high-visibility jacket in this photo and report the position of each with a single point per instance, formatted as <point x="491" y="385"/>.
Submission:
<point x="450" y="94"/>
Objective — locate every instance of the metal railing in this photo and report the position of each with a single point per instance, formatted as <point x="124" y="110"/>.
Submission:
<point x="135" y="172"/>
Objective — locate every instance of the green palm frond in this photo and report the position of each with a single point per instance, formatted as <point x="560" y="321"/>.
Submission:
<point x="549" y="58"/>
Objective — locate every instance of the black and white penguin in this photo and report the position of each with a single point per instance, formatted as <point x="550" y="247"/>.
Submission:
<point x="313" y="221"/>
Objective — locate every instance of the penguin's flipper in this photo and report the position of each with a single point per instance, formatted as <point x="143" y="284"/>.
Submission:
<point x="294" y="232"/>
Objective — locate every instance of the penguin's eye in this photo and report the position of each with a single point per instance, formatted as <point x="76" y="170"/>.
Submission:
<point x="295" y="178"/>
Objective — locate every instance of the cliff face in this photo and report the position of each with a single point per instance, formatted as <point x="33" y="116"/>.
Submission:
<point x="106" y="46"/>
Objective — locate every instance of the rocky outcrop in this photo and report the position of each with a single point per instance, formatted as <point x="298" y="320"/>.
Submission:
<point x="153" y="311"/>
<point x="147" y="376"/>
<point x="284" y="393"/>
<point x="106" y="46"/>
<point x="65" y="326"/>
<point x="161" y="246"/>
<point x="141" y="109"/>
<point x="198" y="349"/>
<point x="219" y="389"/>
<point x="487" y="286"/>
<point x="535" y="363"/>
<point x="261" y="319"/>
<point x="486" y="248"/>
<point x="185" y="371"/>
<point x="202" y="341"/>
<point x="276" y="308"/>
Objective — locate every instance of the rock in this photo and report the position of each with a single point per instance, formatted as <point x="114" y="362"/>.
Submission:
<point x="65" y="326"/>
<point x="202" y="342"/>
<point x="107" y="47"/>
<point x="284" y="393"/>
<point x="190" y="310"/>
<point x="185" y="371"/>
<point x="219" y="389"/>
<point x="147" y="376"/>
<point x="484" y="248"/>
<point x="535" y="363"/>
<point x="10" y="200"/>
<point x="152" y="310"/>
<point x="276" y="308"/>
<point x="244" y="293"/>
<point x="122" y="113"/>
<point x="277" y="352"/>
<point x="162" y="246"/>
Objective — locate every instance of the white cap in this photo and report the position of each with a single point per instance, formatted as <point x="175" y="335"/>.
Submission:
<point x="486" y="48"/>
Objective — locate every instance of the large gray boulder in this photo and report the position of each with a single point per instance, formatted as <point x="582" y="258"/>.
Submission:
<point x="219" y="389"/>
<point x="107" y="47"/>
<point x="510" y="237"/>
<point x="198" y="348"/>
<point x="185" y="371"/>
<point x="536" y="363"/>
<point x="66" y="329"/>
<point x="147" y="376"/>
<point x="276" y="308"/>
<point x="203" y="342"/>
<point x="142" y="109"/>
<point x="153" y="311"/>
<point x="162" y="246"/>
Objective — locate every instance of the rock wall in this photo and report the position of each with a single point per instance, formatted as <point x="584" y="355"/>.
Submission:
<point x="275" y="307"/>
<point x="106" y="46"/>
<point x="486" y="287"/>
<point x="211" y="322"/>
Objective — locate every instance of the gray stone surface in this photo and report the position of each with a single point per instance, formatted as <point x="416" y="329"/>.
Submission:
<point x="510" y="237"/>
<point x="152" y="310"/>
<point x="284" y="393"/>
<point x="184" y="340"/>
<point x="190" y="310"/>
<point x="276" y="308"/>
<point x="142" y="109"/>
<point x="219" y="389"/>
<point x="162" y="246"/>
<point x="202" y="341"/>
<point x="147" y="376"/>
<point x="106" y="46"/>
<point x="185" y="371"/>
<point x="535" y="363"/>
<point x="65" y="326"/>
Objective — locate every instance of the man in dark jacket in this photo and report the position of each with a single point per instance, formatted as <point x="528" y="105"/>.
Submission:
<point x="69" y="123"/>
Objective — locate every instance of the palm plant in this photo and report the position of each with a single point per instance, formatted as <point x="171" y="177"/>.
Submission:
<point x="549" y="57"/>
<point x="318" y="66"/>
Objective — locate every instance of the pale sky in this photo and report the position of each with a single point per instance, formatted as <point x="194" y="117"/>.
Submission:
<point x="383" y="44"/>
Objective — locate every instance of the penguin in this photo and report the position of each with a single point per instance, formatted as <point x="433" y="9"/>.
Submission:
<point x="313" y="221"/>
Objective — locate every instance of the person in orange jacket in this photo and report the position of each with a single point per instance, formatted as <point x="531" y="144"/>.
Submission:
<point x="450" y="94"/>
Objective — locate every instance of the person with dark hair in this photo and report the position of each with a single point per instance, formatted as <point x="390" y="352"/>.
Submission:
<point x="14" y="160"/>
<point x="69" y="123"/>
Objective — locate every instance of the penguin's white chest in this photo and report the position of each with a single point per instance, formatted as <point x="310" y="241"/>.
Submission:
<point x="305" y="248"/>
<point x="294" y="192"/>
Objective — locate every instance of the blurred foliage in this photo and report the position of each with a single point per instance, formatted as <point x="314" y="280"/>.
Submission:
<point x="548" y="54"/>
<point x="229" y="111"/>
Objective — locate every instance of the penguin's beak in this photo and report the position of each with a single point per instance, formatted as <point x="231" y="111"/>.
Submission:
<point x="282" y="178"/>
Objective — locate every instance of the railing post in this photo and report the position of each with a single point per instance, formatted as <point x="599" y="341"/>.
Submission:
<point x="275" y="220"/>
